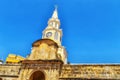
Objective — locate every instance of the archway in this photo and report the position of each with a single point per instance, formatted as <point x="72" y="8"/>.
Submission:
<point x="38" y="75"/>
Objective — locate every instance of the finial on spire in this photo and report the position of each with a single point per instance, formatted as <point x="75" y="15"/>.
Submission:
<point x="56" y="7"/>
<point x="55" y="13"/>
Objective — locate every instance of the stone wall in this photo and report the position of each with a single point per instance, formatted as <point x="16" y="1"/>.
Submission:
<point x="9" y="71"/>
<point x="91" y="71"/>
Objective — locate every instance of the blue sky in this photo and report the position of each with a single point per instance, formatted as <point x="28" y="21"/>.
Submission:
<point x="91" y="28"/>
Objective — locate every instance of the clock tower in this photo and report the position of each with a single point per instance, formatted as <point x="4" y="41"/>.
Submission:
<point x="50" y="46"/>
<point x="53" y="30"/>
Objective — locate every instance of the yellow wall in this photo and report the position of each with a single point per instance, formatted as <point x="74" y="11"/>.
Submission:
<point x="12" y="58"/>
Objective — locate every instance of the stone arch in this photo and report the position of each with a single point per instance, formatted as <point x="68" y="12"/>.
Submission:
<point x="37" y="75"/>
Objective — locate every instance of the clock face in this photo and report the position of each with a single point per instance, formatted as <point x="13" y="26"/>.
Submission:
<point x="49" y="34"/>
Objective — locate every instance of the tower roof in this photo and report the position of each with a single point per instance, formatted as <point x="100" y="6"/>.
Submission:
<point x="55" y="13"/>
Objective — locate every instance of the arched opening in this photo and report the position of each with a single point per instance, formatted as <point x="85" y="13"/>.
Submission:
<point x="0" y="78"/>
<point x="38" y="75"/>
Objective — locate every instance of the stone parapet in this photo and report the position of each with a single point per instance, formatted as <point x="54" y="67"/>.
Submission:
<point x="93" y="71"/>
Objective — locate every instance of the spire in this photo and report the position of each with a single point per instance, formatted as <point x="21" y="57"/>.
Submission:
<point x="55" y="13"/>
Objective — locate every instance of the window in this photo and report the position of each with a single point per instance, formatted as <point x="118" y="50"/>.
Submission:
<point x="53" y="24"/>
<point x="57" y="25"/>
<point x="56" y="35"/>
